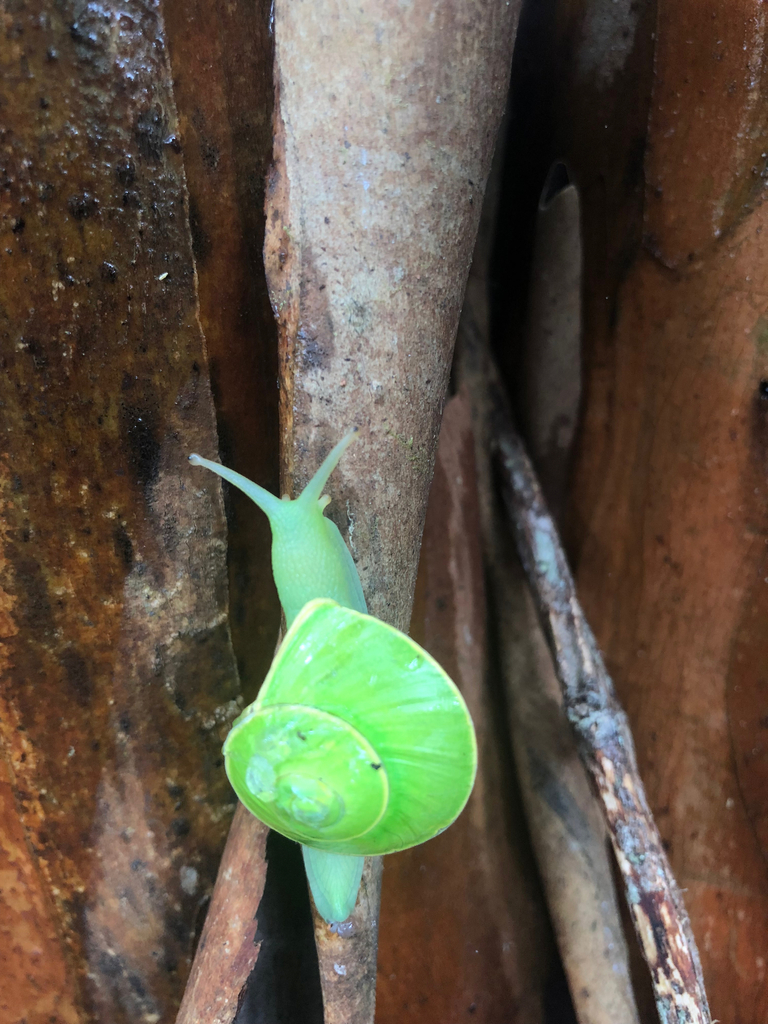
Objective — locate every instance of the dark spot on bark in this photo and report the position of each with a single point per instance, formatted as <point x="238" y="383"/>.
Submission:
<point x="181" y="827"/>
<point x="36" y="606"/>
<point x="123" y="545"/>
<point x="201" y="243"/>
<point x="38" y="353"/>
<point x="131" y="200"/>
<point x="762" y="390"/>
<point x="175" y="790"/>
<point x="144" y="447"/>
<point x="110" y="965"/>
<point x="80" y="31"/>
<point x="150" y="131"/>
<point x="210" y="154"/>
<point x="64" y="275"/>
<point x="83" y="206"/>
<point x="126" y="172"/>
<point x="78" y="676"/>
<point x="137" y="985"/>
<point x="108" y="272"/>
<point x="18" y="225"/>
<point x="313" y="351"/>
<point x="44" y="191"/>
<point x="125" y="723"/>
<point x="170" y="963"/>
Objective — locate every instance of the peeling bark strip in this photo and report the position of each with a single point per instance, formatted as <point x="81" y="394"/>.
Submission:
<point x="386" y="116"/>
<point x="605" y="741"/>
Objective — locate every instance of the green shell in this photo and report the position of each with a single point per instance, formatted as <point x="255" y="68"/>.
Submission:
<point x="358" y="743"/>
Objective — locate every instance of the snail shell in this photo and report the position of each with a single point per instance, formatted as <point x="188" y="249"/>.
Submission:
<point x="358" y="743"/>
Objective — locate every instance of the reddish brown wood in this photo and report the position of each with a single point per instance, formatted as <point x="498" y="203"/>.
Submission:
<point x="227" y="950"/>
<point x="221" y="57"/>
<point x="660" y="112"/>
<point x="118" y="677"/>
<point x="36" y="983"/>
<point x="463" y="929"/>
<point x="668" y="530"/>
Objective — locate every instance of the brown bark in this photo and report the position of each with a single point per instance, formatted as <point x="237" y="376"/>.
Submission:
<point x="605" y="743"/>
<point x="668" y="519"/>
<point x="385" y="123"/>
<point x="463" y="928"/>
<point x="221" y="56"/>
<point x="227" y="951"/>
<point x="119" y="679"/>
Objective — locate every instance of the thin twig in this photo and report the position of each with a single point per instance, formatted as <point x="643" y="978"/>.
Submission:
<point x="227" y="953"/>
<point x="605" y="742"/>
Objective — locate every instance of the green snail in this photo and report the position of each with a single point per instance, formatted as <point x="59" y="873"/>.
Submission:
<point x="358" y="742"/>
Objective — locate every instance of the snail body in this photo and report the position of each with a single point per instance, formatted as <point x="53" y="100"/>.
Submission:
<point x="309" y="556"/>
<point x="358" y="743"/>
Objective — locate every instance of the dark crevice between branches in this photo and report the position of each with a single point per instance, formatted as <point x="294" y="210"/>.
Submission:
<point x="284" y="986"/>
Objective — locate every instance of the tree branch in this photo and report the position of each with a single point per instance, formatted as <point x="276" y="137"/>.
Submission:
<point x="605" y="742"/>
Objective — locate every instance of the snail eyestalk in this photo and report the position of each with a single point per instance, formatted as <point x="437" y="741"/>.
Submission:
<point x="267" y="502"/>
<point x="314" y="489"/>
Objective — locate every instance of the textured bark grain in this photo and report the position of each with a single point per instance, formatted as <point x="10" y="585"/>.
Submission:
<point x="385" y="121"/>
<point x="221" y="56"/>
<point x="668" y="524"/>
<point x="228" y="950"/>
<point x="605" y="743"/>
<point x="463" y="926"/>
<point x="565" y="822"/>
<point x="118" y="677"/>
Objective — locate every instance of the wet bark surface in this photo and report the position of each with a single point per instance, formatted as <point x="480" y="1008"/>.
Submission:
<point x="118" y="675"/>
